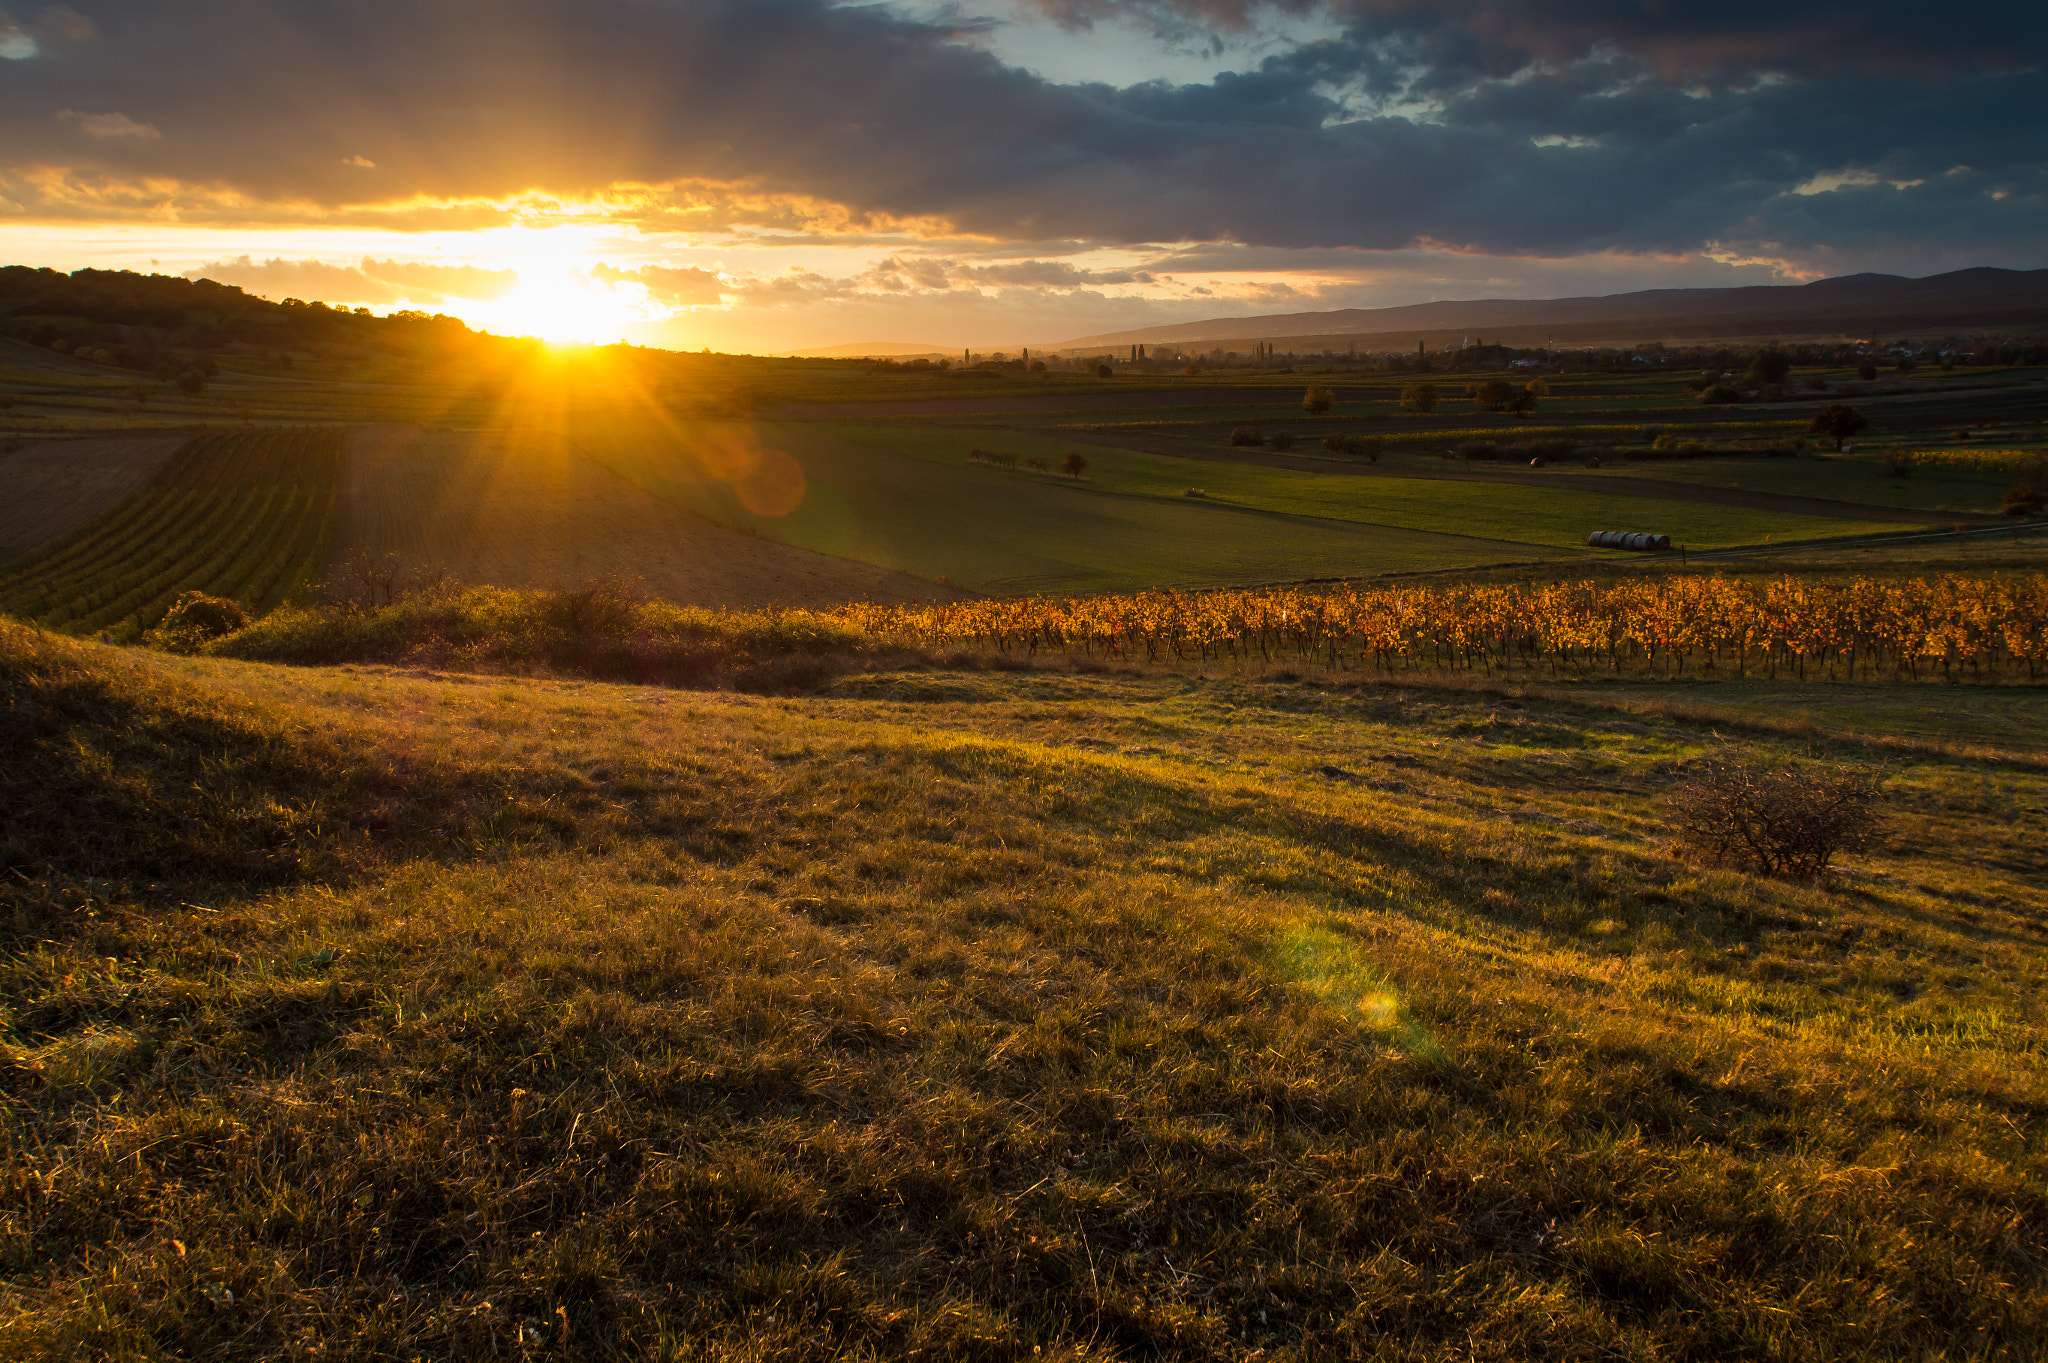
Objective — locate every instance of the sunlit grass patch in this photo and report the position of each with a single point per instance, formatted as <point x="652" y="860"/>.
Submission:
<point x="1003" y="1015"/>
<point x="1327" y="965"/>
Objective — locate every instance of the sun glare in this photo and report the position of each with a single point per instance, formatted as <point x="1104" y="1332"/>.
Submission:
<point x="566" y="307"/>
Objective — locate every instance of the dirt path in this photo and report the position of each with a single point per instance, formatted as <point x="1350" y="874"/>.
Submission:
<point x="50" y="487"/>
<point x="521" y="509"/>
<point x="1578" y="482"/>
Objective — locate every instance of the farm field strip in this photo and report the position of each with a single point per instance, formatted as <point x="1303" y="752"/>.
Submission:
<point x="241" y="514"/>
<point x="888" y="496"/>
<point x="1525" y="515"/>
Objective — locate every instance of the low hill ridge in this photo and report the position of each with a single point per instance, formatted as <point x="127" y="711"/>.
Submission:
<point x="1981" y="296"/>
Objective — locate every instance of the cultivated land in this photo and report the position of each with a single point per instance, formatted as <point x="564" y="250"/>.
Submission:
<point x="523" y="509"/>
<point x="1286" y="973"/>
<point x="873" y="468"/>
<point x="55" y="486"/>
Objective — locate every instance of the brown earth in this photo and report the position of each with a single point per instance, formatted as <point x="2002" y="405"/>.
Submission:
<point x="50" y="487"/>
<point x="522" y="509"/>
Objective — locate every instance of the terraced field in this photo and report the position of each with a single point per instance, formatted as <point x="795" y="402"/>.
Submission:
<point x="240" y="514"/>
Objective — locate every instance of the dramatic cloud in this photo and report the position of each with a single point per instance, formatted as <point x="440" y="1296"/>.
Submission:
<point x="370" y="283"/>
<point x="1800" y="138"/>
<point x="684" y="288"/>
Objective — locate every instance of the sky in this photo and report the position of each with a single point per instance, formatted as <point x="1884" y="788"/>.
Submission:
<point x="774" y="175"/>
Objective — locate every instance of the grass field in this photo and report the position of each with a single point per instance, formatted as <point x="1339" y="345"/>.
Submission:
<point x="840" y="491"/>
<point x="1520" y="515"/>
<point x="992" y="1014"/>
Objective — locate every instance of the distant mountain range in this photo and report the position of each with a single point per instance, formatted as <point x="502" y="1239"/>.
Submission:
<point x="1850" y="306"/>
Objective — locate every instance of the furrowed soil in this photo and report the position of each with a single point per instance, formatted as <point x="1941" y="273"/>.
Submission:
<point x="523" y="509"/>
<point x="54" y="486"/>
<point x="380" y="1013"/>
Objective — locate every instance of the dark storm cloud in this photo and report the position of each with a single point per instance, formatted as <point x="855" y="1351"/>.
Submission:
<point x="1494" y="125"/>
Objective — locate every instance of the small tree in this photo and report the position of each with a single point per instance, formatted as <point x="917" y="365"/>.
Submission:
<point x="192" y="381"/>
<point x="1074" y="465"/>
<point x="1837" y="422"/>
<point x="1768" y="367"/>
<point x="1317" y="400"/>
<point x="1491" y="396"/>
<point x="1103" y="371"/>
<point x="1522" y="402"/>
<point x="1537" y="386"/>
<point x="1246" y="436"/>
<point x="1420" y="397"/>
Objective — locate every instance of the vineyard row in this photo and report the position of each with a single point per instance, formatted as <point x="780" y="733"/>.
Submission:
<point x="242" y="514"/>
<point x="1976" y="628"/>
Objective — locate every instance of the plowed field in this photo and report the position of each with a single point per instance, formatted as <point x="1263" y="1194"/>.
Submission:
<point x="522" y="509"/>
<point x="51" y="487"/>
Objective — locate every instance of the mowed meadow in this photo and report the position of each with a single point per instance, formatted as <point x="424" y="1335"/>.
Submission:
<point x="675" y="858"/>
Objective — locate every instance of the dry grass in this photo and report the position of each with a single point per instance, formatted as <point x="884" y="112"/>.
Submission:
<point x="990" y="1016"/>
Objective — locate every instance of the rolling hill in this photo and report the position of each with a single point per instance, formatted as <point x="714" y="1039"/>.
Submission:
<point x="1854" y="305"/>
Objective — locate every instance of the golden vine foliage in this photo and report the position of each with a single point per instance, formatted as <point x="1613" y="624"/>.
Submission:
<point x="1957" y="627"/>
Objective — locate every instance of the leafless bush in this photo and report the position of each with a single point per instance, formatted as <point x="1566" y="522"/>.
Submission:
<point x="367" y="582"/>
<point x="1780" y="820"/>
<point x="606" y="606"/>
<point x="1366" y="447"/>
<point x="1246" y="436"/>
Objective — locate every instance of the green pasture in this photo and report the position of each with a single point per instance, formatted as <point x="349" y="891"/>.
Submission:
<point x="1511" y="513"/>
<point x="889" y="496"/>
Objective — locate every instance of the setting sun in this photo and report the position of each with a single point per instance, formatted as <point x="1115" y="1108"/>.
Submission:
<point x="565" y="305"/>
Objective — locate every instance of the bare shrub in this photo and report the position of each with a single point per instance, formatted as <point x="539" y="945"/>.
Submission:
<point x="1366" y="447"/>
<point x="2029" y="491"/>
<point x="1780" y="820"/>
<point x="606" y="606"/>
<point x="1246" y="435"/>
<point x="368" y="582"/>
<point x="1283" y="441"/>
